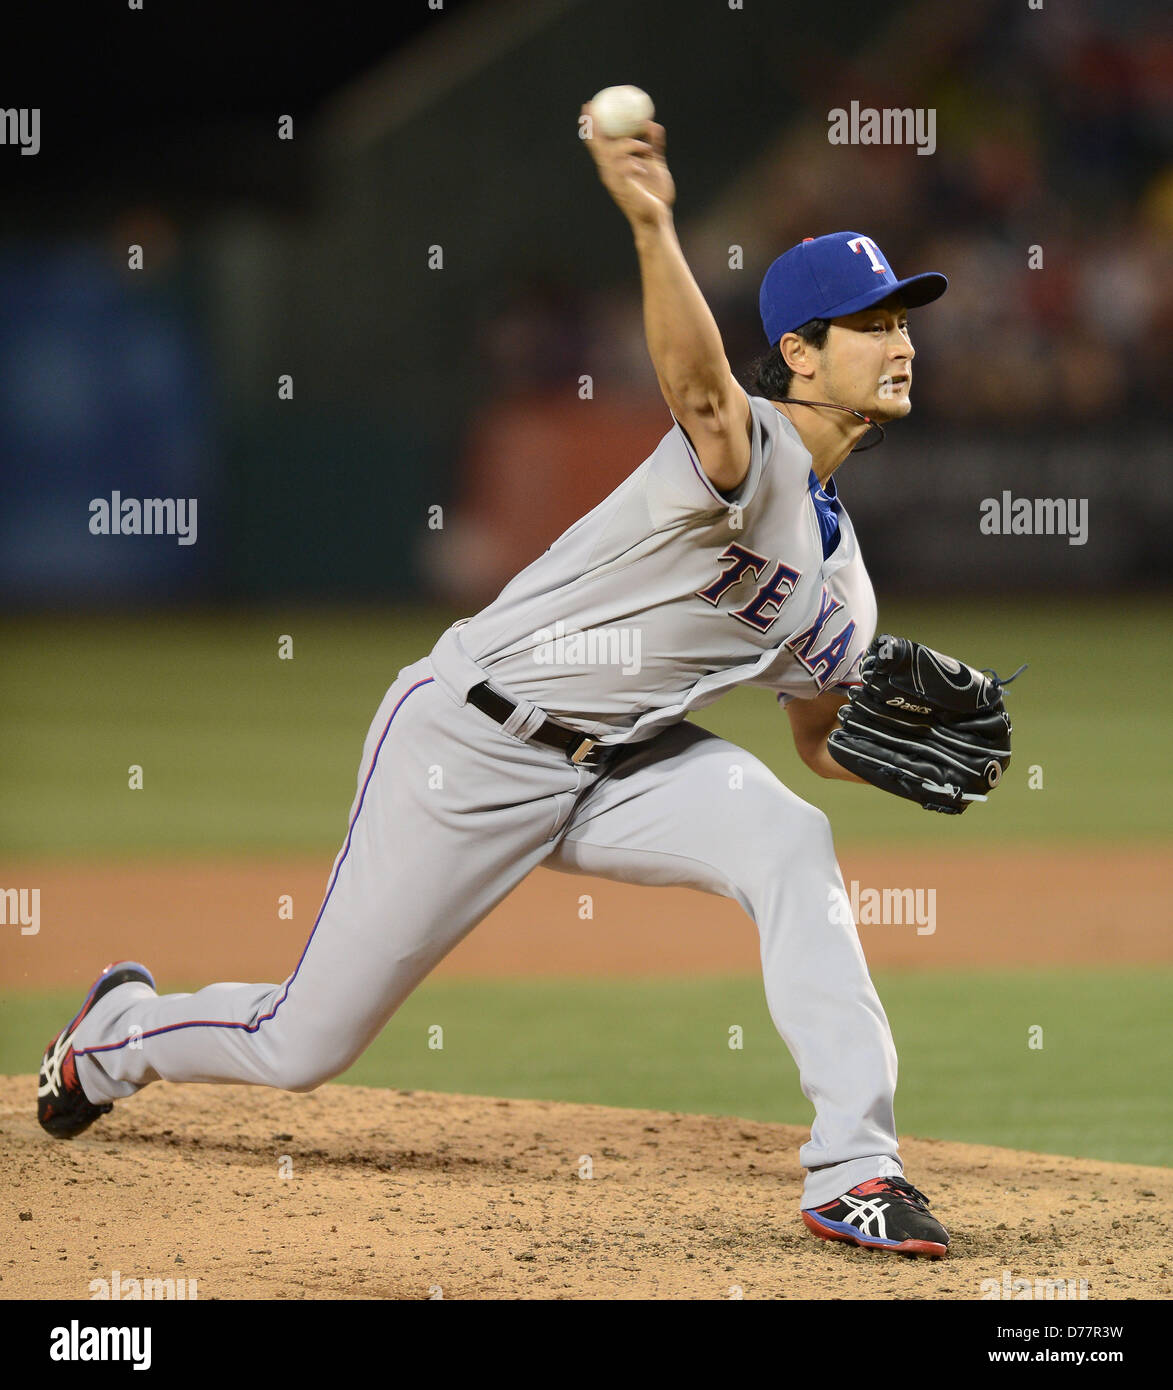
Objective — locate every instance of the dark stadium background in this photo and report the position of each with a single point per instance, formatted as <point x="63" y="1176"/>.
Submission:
<point x="457" y="127"/>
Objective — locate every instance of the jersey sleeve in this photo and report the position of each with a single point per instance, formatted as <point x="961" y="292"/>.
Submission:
<point x="677" y="485"/>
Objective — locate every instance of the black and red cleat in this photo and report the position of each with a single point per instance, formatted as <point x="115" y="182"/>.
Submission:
<point x="62" y="1107"/>
<point x="881" y="1214"/>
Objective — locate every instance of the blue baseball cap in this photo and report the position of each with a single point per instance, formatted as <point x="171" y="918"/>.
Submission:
<point x="825" y="277"/>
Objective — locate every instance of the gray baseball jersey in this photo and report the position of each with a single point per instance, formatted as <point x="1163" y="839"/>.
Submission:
<point x="652" y="605"/>
<point x="669" y="593"/>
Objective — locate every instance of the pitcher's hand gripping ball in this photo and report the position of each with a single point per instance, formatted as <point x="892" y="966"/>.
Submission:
<point x="924" y="726"/>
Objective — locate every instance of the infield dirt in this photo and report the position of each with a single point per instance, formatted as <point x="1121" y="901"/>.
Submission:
<point x="195" y="920"/>
<point x="400" y="1194"/>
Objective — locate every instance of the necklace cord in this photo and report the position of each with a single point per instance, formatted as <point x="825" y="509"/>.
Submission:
<point x="829" y="405"/>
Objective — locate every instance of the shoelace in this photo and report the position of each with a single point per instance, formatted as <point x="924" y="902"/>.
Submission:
<point x="54" y="1061"/>
<point x="1003" y="682"/>
<point x="902" y="1188"/>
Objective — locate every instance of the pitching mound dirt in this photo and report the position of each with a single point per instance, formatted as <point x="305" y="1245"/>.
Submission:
<point x="351" y="1192"/>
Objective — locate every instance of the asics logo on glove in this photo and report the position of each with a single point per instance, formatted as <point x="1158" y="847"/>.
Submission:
<point x="956" y="749"/>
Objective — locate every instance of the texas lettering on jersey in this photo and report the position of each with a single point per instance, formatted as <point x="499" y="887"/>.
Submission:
<point x="822" y="664"/>
<point x="763" y="609"/>
<point x="772" y="594"/>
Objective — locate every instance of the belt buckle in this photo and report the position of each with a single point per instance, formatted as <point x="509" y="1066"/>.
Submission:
<point x="583" y="750"/>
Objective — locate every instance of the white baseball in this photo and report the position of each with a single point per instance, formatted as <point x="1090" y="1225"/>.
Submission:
<point x="621" y="111"/>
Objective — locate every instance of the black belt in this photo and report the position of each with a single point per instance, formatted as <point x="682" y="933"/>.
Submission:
<point x="575" y="745"/>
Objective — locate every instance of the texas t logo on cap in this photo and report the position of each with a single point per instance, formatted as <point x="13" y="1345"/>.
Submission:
<point x="829" y="276"/>
<point x="865" y="243"/>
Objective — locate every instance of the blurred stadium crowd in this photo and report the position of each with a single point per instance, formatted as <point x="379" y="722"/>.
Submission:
<point x="1048" y="201"/>
<point x="1054" y="138"/>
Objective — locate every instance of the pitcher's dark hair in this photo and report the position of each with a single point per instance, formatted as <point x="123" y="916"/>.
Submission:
<point x="769" y="376"/>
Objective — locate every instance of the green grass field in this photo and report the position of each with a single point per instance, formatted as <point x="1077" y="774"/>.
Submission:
<point x="1099" y="1087"/>
<point x="242" y="752"/>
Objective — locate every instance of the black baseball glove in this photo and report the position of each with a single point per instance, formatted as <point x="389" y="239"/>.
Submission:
<point x="924" y="726"/>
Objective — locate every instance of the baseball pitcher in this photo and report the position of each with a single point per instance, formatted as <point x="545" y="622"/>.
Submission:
<point x="558" y="717"/>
